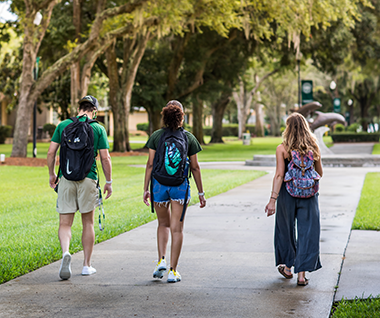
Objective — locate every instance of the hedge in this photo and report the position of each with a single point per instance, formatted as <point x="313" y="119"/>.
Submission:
<point x="355" y="137"/>
<point x="145" y="127"/>
<point x="229" y="130"/>
<point x="5" y="132"/>
<point x="50" y="128"/>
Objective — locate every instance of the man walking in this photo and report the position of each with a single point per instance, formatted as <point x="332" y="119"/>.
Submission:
<point x="82" y="195"/>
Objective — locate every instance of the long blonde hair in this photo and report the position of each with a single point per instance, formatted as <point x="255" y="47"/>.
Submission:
<point x="298" y="136"/>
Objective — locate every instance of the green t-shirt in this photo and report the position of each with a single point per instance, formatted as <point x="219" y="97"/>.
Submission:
<point x="100" y="140"/>
<point x="194" y="146"/>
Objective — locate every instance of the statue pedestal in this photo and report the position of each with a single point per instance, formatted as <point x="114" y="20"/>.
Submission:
<point x="319" y="134"/>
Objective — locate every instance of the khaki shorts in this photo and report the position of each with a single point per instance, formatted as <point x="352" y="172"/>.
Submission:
<point x="77" y="195"/>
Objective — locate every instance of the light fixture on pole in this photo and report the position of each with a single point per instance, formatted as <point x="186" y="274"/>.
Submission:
<point x="37" y="18"/>
<point x="37" y="21"/>
<point x="332" y="85"/>
<point x="298" y="58"/>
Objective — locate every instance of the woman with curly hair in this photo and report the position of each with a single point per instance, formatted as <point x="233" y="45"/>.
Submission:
<point x="170" y="201"/>
<point x="301" y="252"/>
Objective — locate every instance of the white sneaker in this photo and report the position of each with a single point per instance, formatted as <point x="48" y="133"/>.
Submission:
<point x="173" y="276"/>
<point x="65" y="270"/>
<point x="160" y="269"/>
<point x="88" y="270"/>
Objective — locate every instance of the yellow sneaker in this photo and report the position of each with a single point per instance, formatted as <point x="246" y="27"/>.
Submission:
<point x="160" y="269"/>
<point x="173" y="276"/>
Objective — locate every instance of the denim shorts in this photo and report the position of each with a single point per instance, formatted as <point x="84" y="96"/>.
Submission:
<point x="164" y="194"/>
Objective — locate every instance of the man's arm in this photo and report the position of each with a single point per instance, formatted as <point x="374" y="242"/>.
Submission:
<point x="51" y="155"/>
<point x="105" y="160"/>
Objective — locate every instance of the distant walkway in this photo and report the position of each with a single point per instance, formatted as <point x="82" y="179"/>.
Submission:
<point x="227" y="263"/>
<point x="352" y="148"/>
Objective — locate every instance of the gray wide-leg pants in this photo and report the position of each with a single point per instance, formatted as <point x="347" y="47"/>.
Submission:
<point x="301" y="251"/>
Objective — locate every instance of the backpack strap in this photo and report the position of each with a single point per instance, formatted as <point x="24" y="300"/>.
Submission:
<point x="185" y="202"/>
<point x="151" y="193"/>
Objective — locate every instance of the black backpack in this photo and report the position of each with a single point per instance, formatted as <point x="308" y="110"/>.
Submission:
<point x="170" y="161"/>
<point x="77" y="149"/>
<point x="170" y="158"/>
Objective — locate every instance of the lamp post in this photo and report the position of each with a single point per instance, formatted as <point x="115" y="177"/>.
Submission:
<point x="349" y="113"/>
<point x="37" y="21"/>
<point x="298" y="57"/>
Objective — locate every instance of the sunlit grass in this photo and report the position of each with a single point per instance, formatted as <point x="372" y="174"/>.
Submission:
<point x="367" y="215"/>
<point x="357" y="308"/>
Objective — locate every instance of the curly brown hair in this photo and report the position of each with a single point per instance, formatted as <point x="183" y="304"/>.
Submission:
<point x="172" y="115"/>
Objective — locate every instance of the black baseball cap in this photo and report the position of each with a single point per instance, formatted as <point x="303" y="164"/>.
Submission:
<point x="90" y="99"/>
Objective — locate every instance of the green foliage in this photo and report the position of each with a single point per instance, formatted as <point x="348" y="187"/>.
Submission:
<point x="367" y="215"/>
<point x="50" y="128"/>
<point x="143" y="127"/>
<point x="229" y="130"/>
<point x="353" y="127"/>
<point x="357" y="308"/>
<point x="339" y="128"/>
<point x="31" y="216"/>
<point x="5" y="132"/>
<point x="355" y="137"/>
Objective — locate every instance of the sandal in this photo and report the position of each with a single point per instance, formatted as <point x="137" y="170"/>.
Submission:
<point x="303" y="283"/>
<point x="281" y="270"/>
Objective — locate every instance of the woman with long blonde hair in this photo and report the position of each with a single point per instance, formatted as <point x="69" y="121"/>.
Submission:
<point x="300" y="251"/>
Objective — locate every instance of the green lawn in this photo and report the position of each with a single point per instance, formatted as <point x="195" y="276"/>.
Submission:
<point x="367" y="215"/>
<point x="29" y="223"/>
<point x="358" y="308"/>
<point x="376" y="149"/>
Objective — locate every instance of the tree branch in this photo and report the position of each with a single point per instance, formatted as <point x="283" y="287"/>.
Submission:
<point x="45" y="4"/>
<point x="126" y="8"/>
<point x="86" y="72"/>
<point x="45" y="23"/>
<point x="253" y="91"/>
<point x="79" y="51"/>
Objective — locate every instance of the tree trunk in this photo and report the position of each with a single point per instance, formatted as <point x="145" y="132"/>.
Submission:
<point x="198" y="120"/>
<point x="75" y="87"/>
<point x="75" y="68"/>
<point x="364" y="106"/>
<point x="242" y="119"/>
<point x="179" y="45"/>
<point x="154" y="117"/>
<point x="116" y="101"/>
<point x="259" y="127"/>
<point x="25" y="105"/>
<point x="132" y="59"/>
<point x="218" y="109"/>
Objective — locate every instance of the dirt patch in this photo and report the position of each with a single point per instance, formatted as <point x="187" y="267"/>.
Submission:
<point x="41" y="162"/>
<point x="30" y="162"/>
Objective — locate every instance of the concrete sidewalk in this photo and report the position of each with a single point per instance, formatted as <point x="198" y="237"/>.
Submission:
<point x="227" y="263"/>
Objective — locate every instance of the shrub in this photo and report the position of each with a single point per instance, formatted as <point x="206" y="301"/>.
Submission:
<point x="353" y="127"/>
<point x="50" y="128"/>
<point x="355" y="137"/>
<point x="143" y="127"/>
<point x="5" y="132"/>
<point x="230" y="130"/>
<point x="339" y="128"/>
